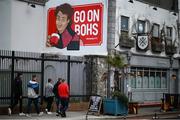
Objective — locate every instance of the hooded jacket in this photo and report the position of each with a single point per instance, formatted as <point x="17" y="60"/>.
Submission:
<point x="33" y="89"/>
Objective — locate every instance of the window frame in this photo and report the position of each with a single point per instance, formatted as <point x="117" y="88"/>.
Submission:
<point x="144" y="26"/>
<point x="127" y="18"/>
<point x="156" y="30"/>
<point x="169" y="31"/>
<point x="151" y="74"/>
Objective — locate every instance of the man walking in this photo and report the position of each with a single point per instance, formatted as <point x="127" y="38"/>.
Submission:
<point x="49" y="95"/>
<point x="17" y="94"/>
<point x="55" y="91"/>
<point x="33" y="95"/>
<point x="63" y="91"/>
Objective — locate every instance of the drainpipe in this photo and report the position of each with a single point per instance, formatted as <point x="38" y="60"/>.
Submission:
<point x="128" y="77"/>
<point x="12" y="76"/>
<point x="68" y="71"/>
<point x="178" y="27"/>
<point x="171" y="59"/>
<point x="108" y="82"/>
<point x="42" y="77"/>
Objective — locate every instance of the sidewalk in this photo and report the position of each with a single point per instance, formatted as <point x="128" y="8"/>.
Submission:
<point x="147" y="113"/>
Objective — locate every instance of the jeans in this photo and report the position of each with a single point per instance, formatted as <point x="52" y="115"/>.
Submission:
<point x="64" y="104"/>
<point x="57" y="99"/>
<point x="15" y="102"/>
<point x="49" y="103"/>
<point x="36" y="104"/>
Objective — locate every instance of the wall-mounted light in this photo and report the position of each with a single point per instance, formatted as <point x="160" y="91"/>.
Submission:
<point x="154" y="8"/>
<point x="173" y="77"/>
<point x="32" y="5"/>
<point x="174" y="14"/>
<point x="131" y="1"/>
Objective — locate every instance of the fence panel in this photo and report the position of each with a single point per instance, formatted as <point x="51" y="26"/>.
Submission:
<point x="31" y="63"/>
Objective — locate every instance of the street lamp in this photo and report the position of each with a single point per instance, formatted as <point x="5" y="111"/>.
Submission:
<point x="131" y="1"/>
<point x="171" y="59"/>
<point x="32" y="5"/>
<point x="127" y="71"/>
<point x="155" y="8"/>
<point x="129" y="54"/>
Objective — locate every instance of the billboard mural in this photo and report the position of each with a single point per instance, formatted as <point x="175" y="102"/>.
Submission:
<point x="76" y="27"/>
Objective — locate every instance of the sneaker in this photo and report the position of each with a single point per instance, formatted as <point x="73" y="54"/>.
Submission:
<point x="49" y="113"/>
<point x="40" y="114"/>
<point x="9" y="111"/>
<point x="21" y="114"/>
<point x="28" y="115"/>
<point x="46" y="111"/>
<point x="63" y="114"/>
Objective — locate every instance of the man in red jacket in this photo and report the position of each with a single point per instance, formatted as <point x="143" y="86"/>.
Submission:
<point x="63" y="91"/>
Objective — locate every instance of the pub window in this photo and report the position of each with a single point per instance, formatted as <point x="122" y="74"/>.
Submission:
<point x="155" y="31"/>
<point x="141" y="26"/>
<point x="148" y="78"/>
<point x="169" y="33"/>
<point x="124" y="28"/>
<point x="124" y="23"/>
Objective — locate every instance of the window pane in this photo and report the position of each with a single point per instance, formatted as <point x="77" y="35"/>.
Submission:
<point x="151" y="79"/>
<point x="163" y="80"/>
<point x="158" y="80"/>
<point x="139" y="79"/>
<point x="145" y="79"/>
<point x="169" y="32"/>
<point x="138" y="82"/>
<point x="155" y="30"/>
<point x="133" y="78"/>
<point x="141" y="26"/>
<point x="124" y="23"/>
<point x="133" y="81"/>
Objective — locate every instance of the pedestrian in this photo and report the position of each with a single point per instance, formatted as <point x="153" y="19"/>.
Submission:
<point x="17" y="94"/>
<point x="55" y="91"/>
<point x="49" y="95"/>
<point x="33" y="95"/>
<point x="63" y="91"/>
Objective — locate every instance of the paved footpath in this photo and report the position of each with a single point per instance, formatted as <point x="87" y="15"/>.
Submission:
<point x="80" y="115"/>
<point x="144" y="113"/>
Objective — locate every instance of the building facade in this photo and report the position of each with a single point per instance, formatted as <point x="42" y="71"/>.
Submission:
<point x="146" y="33"/>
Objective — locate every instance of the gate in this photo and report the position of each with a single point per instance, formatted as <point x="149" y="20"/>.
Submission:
<point x="44" y="66"/>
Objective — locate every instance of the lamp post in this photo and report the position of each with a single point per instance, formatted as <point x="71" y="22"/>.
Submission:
<point x="171" y="59"/>
<point x="127" y="71"/>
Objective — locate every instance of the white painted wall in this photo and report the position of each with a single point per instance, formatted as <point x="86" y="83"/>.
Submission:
<point x="140" y="11"/>
<point x="21" y="26"/>
<point x="5" y="24"/>
<point x="27" y="27"/>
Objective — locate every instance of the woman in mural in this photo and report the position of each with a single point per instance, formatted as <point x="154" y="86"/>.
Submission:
<point x="65" y="36"/>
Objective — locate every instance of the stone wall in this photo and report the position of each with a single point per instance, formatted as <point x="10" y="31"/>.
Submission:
<point x="97" y="75"/>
